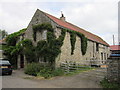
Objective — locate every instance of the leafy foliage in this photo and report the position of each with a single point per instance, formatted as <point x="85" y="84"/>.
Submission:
<point x="33" y="68"/>
<point x="12" y="49"/>
<point x="12" y="38"/>
<point x="3" y="34"/>
<point x="83" y="42"/>
<point x="73" y="35"/>
<point x="49" y="49"/>
<point x="37" y="69"/>
<point x="41" y="27"/>
<point x="9" y="52"/>
<point x="28" y="50"/>
<point x="73" y="40"/>
<point x="106" y="84"/>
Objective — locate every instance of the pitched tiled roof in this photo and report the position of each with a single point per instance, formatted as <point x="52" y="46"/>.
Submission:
<point x="115" y="47"/>
<point x="75" y="28"/>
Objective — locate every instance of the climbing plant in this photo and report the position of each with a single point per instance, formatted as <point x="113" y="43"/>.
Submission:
<point x="12" y="48"/>
<point x="83" y="42"/>
<point x="50" y="48"/>
<point x="72" y="40"/>
<point x="41" y="27"/>
<point x="47" y="26"/>
<point x="12" y="39"/>
<point x="73" y="35"/>
<point x="28" y="50"/>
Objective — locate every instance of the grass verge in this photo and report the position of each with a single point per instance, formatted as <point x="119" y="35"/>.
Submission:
<point x="105" y="84"/>
<point x="79" y="71"/>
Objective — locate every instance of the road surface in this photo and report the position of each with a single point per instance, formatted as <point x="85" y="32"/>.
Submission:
<point x="88" y="79"/>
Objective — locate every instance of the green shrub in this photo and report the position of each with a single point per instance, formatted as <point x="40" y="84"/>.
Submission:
<point x="58" y="72"/>
<point x="47" y="72"/>
<point x="48" y="49"/>
<point x="33" y="68"/>
<point x="106" y="84"/>
<point x="37" y="69"/>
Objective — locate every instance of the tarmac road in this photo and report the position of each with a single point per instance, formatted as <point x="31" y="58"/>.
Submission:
<point x="89" y="79"/>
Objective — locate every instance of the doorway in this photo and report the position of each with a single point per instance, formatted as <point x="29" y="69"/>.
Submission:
<point x="21" y="61"/>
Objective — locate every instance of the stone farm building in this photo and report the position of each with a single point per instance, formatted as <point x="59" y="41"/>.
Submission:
<point x="97" y="48"/>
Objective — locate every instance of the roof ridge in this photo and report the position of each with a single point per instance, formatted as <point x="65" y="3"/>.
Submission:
<point x="78" y="29"/>
<point x="86" y="31"/>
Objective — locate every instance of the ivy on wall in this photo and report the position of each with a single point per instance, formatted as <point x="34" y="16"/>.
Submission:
<point x="50" y="48"/>
<point x="41" y="27"/>
<point x="12" y="39"/>
<point x="12" y="49"/>
<point x="83" y="42"/>
<point x="72" y="40"/>
<point x="73" y="35"/>
<point x="47" y="26"/>
<point x="28" y="50"/>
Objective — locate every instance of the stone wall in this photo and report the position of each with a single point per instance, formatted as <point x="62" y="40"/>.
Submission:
<point x="91" y="54"/>
<point x="38" y="18"/>
<point x="113" y="70"/>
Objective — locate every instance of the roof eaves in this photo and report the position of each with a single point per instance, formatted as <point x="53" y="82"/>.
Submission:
<point x="106" y="44"/>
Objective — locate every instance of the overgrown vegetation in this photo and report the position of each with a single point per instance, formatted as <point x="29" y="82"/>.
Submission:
<point x="12" y="49"/>
<point x="83" y="42"/>
<point x="47" y="50"/>
<point x="106" y="84"/>
<point x="12" y="39"/>
<point x="40" y="28"/>
<point x="3" y="34"/>
<point x="50" y="48"/>
<point x="50" y="35"/>
<point x="73" y="35"/>
<point x="44" y="70"/>
<point x="28" y="50"/>
<point x="73" y="40"/>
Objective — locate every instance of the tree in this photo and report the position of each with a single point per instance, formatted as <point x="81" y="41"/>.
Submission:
<point x="3" y="34"/>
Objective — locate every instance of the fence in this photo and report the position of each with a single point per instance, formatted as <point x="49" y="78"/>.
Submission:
<point x="72" y="66"/>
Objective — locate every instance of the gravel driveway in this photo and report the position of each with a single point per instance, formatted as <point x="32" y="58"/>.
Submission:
<point x="88" y="79"/>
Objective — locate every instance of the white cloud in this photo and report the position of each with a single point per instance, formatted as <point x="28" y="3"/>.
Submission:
<point x="59" y="1"/>
<point x="97" y="16"/>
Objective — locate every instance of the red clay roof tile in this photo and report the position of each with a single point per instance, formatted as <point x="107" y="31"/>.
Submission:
<point x="115" y="47"/>
<point x="75" y="28"/>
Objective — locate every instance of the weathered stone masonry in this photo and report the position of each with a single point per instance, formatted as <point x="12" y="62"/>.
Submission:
<point x="93" y="51"/>
<point x="113" y="70"/>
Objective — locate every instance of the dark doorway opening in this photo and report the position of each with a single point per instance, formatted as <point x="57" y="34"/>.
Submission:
<point x="21" y="61"/>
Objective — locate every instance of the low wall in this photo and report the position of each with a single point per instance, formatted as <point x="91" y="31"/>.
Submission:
<point x="113" y="69"/>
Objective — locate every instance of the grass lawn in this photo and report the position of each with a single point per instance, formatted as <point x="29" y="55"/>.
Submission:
<point x="79" y="71"/>
<point x="106" y="84"/>
<point x="0" y="47"/>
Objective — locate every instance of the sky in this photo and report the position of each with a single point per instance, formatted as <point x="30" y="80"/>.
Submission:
<point x="99" y="17"/>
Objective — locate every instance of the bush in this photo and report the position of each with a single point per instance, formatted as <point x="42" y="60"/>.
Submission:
<point x="48" y="72"/>
<point x="45" y="72"/>
<point x="33" y="68"/>
<point x="106" y="84"/>
<point x="58" y="72"/>
<point x="37" y="69"/>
